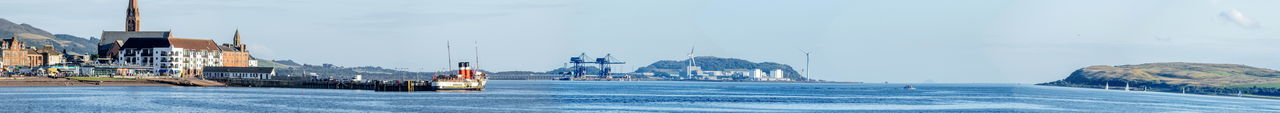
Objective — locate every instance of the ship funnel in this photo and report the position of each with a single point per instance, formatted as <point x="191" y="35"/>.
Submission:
<point x="464" y="69"/>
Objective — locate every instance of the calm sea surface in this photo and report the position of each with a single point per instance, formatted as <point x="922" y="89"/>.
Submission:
<point x="602" y="96"/>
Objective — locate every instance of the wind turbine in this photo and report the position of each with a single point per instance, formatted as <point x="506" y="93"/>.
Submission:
<point x="806" y="63"/>
<point x="691" y="57"/>
<point x="688" y="69"/>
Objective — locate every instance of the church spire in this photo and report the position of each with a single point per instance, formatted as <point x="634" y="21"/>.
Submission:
<point x="236" y="42"/>
<point x="14" y="44"/>
<point x="131" y="19"/>
<point x="237" y="38"/>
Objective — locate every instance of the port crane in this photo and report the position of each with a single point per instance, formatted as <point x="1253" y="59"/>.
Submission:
<point x="605" y="62"/>
<point x="579" y="70"/>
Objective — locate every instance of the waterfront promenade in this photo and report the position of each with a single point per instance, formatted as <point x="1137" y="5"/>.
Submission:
<point x="67" y="82"/>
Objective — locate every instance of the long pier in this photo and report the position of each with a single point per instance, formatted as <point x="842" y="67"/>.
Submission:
<point x="376" y="85"/>
<point x="191" y="82"/>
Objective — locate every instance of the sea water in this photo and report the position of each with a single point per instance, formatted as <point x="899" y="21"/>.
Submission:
<point x="631" y="96"/>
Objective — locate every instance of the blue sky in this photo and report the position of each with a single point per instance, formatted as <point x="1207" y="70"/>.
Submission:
<point x="1019" y="41"/>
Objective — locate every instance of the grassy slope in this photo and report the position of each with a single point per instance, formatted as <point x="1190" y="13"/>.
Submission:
<point x="1269" y="85"/>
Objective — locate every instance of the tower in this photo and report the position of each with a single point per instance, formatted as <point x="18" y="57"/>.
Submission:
<point x="14" y="44"/>
<point x="131" y="19"/>
<point x="236" y="42"/>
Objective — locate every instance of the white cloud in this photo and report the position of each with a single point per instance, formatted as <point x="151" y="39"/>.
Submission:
<point x="1234" y="16"/>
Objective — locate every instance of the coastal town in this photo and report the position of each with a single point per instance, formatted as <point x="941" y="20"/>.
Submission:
<point x="649" y="56"/>
<point x="135" y="54"/>
<point x="137" y="57"/>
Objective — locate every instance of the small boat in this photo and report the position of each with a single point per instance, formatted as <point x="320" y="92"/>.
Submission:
<point x="909" y="87"/>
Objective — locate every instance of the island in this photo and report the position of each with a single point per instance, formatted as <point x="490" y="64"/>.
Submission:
<point x="1179" y="77"/>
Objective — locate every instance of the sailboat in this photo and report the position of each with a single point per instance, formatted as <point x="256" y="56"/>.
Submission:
<point x="1126" y="86"/>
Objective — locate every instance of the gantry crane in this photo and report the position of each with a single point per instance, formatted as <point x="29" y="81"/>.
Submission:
<point x="605" y="62"/>
<point x="579" y="70"/>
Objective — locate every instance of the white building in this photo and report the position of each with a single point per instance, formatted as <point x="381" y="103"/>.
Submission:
<point x="113" y="40"/>
<point x="715" y="73"/>
<point x="217" y="72"/>
<point x="692" y="71"/>
<point x="174" y="57"/>
<point x="738" y="72"/>
<point x="777" y="73"/>
<point x="758" y="74"/>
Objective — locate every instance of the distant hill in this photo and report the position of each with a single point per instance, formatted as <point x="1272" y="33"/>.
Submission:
<point x="717" y="64"/>
<point x="589" y="69"/>
<point x="1176" y="73"/>
<point x="1200" y="78"/>
<point x="36" y="37"/>
<point x="278" y="63"/>
<point x="291" y="68"/>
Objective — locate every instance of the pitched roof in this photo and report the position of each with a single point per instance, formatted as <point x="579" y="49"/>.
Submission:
<point x="226" y="48"/>
<point x="184" y="43"/>
<point x="146" y="43"/>
<point x="111" y="36"/>
<point x="193" y="44"/>
<point x="229" y="48"/>
<point x="50" y="50"/>
<point x="239" y="69"/>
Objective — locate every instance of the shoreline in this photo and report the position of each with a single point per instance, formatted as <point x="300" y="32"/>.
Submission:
<point x="703" y="81"/>
<point x="65" y="82"/>
<point x="1244" y="96"/>
<point x="51" y="82"/>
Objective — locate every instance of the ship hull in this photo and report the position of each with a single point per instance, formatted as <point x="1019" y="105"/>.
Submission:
<point x="459" y="84"/>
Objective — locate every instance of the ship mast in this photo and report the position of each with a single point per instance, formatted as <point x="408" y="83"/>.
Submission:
<point x="448" y="51"/>
<point x="476" y="66"/>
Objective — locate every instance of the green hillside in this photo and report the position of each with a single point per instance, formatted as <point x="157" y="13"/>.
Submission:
<point x="1198" y="78"/>
<point x="667" y="67"/>
<point x="36" y="37"/>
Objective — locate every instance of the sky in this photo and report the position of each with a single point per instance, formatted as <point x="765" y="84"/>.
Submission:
<point x="947" y="41"/>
